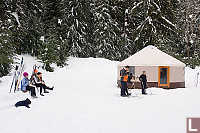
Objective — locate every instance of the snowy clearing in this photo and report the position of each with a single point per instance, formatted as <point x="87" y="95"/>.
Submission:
<point x="86" y="100"/>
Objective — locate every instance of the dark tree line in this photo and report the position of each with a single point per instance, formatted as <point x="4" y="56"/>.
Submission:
<point x="52" y="30"/>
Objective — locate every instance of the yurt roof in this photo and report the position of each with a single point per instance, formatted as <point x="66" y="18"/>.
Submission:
<point x="151" y="56"/>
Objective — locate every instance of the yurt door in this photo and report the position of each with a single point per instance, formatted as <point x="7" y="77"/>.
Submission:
<point x="163" y="76"/>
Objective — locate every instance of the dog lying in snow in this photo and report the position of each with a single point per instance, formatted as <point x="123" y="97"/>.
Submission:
<point x="25" y="103"/>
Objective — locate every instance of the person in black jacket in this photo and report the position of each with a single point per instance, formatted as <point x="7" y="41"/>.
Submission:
<point x="38" y="82"/>
<point x="143" y="80"/>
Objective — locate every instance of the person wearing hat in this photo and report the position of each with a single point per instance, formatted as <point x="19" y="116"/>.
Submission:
<point x="124" y="78"/>
<point x="26" y="86"/>
<point x="35" y="71"/>
<point x="38" y="82"/>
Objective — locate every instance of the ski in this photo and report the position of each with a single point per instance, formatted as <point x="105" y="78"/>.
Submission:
<point x="18" y="77"/>
<point x="14" y="77"/>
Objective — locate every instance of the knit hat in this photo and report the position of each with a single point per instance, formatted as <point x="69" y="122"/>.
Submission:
<point x="25" y="74"/>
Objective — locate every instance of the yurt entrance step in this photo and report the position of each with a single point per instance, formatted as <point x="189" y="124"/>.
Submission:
<point x="163" y="76"/>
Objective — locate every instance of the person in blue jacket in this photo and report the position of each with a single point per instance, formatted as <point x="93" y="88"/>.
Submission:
<point x="25" y="85"/>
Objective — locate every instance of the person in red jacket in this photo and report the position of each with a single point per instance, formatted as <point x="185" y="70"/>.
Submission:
<point x="26" y="86"/>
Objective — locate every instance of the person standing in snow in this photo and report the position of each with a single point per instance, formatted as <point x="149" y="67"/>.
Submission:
<point x="143" y="80"/>
<point x="38" y="82"/>
<point x="130" y="83"/>
<point x="123" y="80"/>
<point x="26" y="86"/>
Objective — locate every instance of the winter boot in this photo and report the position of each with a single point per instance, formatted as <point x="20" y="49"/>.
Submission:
<point x="45" y="91"/>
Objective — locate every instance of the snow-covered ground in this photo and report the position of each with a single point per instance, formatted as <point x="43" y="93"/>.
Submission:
<point x="86" y="100"/>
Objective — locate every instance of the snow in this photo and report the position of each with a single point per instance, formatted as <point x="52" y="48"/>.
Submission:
<point x="126" y="24"/>
<point x="77" y="23"/>
<point x="136" y="39"/>
<point x="42" y="38"/>
<point x="126" y="11"/>
<point x="9" y="20"/>
<point x="192" y="77"/>
<point x="142" y="25"/>
<point x="191" y="41"/>
<point x="158" y="8"/>
<point x="86" y="100"/>
<point x="168" y="21"/>
<point x="138" y="4"/>
<point x="59" y="21"/>
<point x="16" y="17"/>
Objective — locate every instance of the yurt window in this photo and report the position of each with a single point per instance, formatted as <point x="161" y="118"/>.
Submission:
<point x="132" y="70"/>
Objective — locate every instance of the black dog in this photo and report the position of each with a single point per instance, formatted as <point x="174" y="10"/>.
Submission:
<point x="25" y="103"/>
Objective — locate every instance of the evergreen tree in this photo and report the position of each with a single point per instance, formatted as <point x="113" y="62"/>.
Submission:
<point x="7" y="50"/>
<point x="188" y="23"/>
<point x="31" y="26"/>
<point x="79" y="27"/>
<point x="106" y="31"/>
<point x="52" y="30"/>
<point x="154" y="22"/>
<point x="54" y="47"/>
<point x="27" y="27"/>
<point x="121" y="13"/>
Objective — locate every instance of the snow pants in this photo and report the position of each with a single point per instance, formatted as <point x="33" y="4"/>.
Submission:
<point x="144" y="87"/>
<point x="42" y="86"/>
<point x="31" y="89"/>
<point x="124" y="88"/>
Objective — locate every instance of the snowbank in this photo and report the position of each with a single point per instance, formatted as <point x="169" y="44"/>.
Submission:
<point x="86" y="100"/>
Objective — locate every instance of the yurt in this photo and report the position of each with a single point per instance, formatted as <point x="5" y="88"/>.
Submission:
<point x="162" y="70"/>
